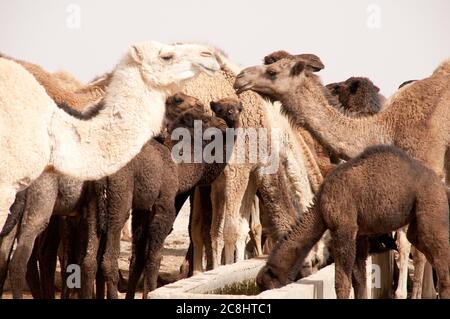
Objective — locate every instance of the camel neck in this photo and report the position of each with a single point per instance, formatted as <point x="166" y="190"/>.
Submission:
<point x="94" y="148"/>
<point x="308" y="106"/>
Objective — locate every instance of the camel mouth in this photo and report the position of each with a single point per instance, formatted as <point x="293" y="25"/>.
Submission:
<point x="242" y="88"/>
<point x="209" y="70"/>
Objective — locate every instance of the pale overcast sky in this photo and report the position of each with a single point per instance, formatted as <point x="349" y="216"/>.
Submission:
<point x="388" y="41"/>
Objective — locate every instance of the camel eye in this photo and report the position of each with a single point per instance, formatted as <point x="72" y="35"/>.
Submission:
<point x="271" y="72"/>
<point x="177" y="100"/>
<point x="206" y="54"/>
<point x="167" y="57"/>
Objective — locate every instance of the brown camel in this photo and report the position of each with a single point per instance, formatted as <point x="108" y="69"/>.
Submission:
<point x="154" y="187"/>
<point x="415" y="119"/>
<point x="379" y="191"/>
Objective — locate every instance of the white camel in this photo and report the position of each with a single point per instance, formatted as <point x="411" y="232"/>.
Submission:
<point x="36" y="135"/>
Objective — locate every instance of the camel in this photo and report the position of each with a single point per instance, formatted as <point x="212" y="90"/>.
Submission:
<point x="233" y="193"/>
<point x="358" y="95"/>
<point x="414" y="119"/>
<point x="42" y="137"/>
<point x="48" y="194"/>
<point x="146" y="249"/>
<point x="379" y="191"/>
<point x="65" y="89"/>
<point x="153" y="186"/>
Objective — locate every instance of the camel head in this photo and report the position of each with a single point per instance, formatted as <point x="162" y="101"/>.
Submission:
<point x="268" y="278"/>
<point x="163" y="65"/>
<point x="273" y="80"/>
<point x="228" y="109"/>
<point x="179" y="103"/>
<point x="312" y="61"/>
<point x="185" y="110"/>
<point x="357" y="94"/>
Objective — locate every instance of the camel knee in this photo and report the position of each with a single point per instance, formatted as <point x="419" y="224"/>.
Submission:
<point x="110" y="270"/>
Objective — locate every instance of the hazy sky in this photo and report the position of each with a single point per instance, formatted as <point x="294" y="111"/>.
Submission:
<point x="387" y="40"/>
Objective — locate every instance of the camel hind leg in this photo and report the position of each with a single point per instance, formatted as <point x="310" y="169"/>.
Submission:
<point x="359" y="276"/>
<point x="404" y="248"/>
<point x="429" y="233"/>
<point x="158" y="229"/>
<point x="344" y="248"/>
<point x="139" y="222"/>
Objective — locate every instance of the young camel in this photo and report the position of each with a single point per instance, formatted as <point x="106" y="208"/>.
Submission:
<point x="379" y="191"/>
<point x="415" y="119"/>
<point x="41" y="136"/>
<point x="151" y="226"/>
<point x="148" y="185"/>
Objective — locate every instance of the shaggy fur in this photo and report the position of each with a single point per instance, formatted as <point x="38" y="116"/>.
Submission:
<point x="148" y="185"/>
<point x="379" y="191"/>
<point x="65" y="89"/>
<point x="358" y="96"/>
<point x="233" y="193"/>
<point x="415" y="119"/>
<point x="36" y="134"/>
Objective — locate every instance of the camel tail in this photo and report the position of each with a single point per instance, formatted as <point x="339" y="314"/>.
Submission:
<point x="448" y="195"/>
<point x="16" y="214"/>
<point x="100" y="189"/>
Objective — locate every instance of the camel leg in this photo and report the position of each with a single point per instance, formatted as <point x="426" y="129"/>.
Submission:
<point x="196" y="231"/>
<point x="217" y="220"/>
<point x="206" y="206"/>
<point x="158" y="230"/>
<point x="344" y="248"/>
<point x="236" y="196"/>
<point x="139" y="222"/>
<point x="359" y="276"/>
<point x="32" y="275"/>
<point x="433" y="243"/>
<point x="243" y="220"/>
<point x="404" y="248"/>
<point x="256" y="227"/>
<point x="118" y="215"/>
<point x="47" y="257"/>
<point x="89" y="263"/>
<point x="35" y="219"/>
<point x="6" y="247"/>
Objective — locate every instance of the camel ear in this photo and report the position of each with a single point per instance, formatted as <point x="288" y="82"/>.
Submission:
<point x="215" y="107"/>
<point x="354" y="86"/>
<point x="298" y="68"/>
<point x="137" y="53"/>
<point x="312" y="61"/>
<point x="276" y="56"/>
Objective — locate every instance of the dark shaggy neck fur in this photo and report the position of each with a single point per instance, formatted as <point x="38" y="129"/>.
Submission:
<point x="86" y="115"/>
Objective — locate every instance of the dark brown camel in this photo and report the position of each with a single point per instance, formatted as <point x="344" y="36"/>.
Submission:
<point x="189" y="175"/>
<point x="379" y="191"/>
<point x="150" y="186"/>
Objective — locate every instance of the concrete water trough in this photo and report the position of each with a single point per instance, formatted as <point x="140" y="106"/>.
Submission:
<point x="237" y="281"/>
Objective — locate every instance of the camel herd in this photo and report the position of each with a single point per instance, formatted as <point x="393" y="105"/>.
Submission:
<point x="346" y="168"/>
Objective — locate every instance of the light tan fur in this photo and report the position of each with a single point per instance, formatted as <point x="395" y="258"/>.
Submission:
<point x="35" y="134"/>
